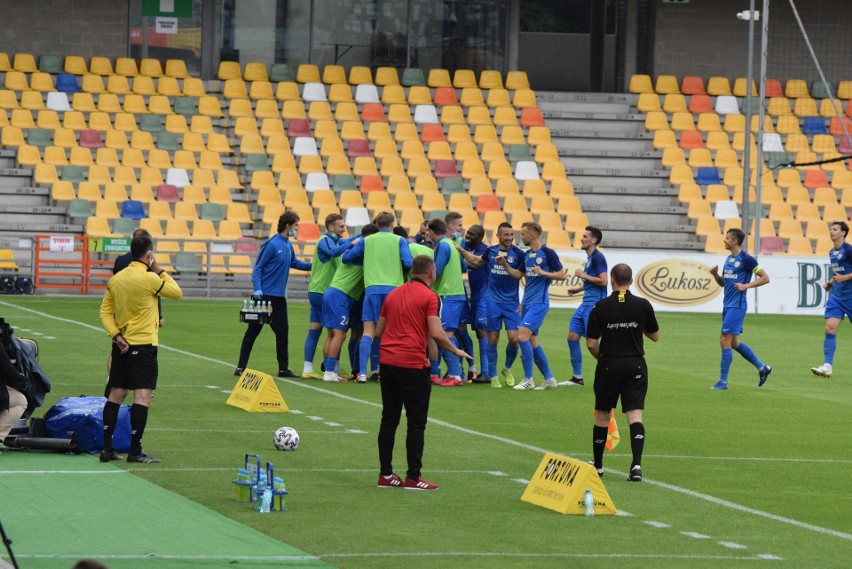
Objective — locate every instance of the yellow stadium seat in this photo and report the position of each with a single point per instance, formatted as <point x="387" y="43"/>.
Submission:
<point x="340" y="93"/>
<point x="640" y="84"/>
<point x="666" y="84"/>
<point x="718" y="86"/>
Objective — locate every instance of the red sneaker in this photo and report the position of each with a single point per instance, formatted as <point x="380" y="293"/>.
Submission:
<point x="451" y="382"/>
<point x="435" y="379"/>
<point x="392" y="481"/>
<point x="420" y="484"/>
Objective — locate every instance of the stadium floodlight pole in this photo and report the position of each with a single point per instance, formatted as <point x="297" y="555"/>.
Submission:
<point x="750" y="16"/>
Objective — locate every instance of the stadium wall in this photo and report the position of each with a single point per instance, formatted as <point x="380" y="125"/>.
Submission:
<point x="705" y="38"/>
<point x="63" y="27"/>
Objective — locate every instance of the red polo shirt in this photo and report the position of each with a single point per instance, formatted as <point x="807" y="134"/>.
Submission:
<point x="405" y="311"/>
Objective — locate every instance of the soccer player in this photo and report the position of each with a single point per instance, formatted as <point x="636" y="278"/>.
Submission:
<point x="736" y="280"/>
<point x="477" y="279"/>
<point x="323" y="266"/>
<point x="385" y="258"/>
<point x="504" y="262"/>
<point x="542" y="265"/>
<point x="455" y="231"/>
<point x="338" y="303"/>
<point x="615" y="328"/>
<point x="269" y="277"/>
<point x="839" y="302"/>
<point x="593" y="275"/>
<point x="449" y="268"/>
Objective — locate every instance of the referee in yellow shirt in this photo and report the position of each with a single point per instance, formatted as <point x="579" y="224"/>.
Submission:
<point x="130" y="317"/>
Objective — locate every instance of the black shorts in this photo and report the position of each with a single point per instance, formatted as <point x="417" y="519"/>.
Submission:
<point x="135" y="369"/>
<point x="621" y="377"/>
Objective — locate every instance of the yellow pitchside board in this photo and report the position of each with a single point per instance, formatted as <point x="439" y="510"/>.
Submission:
<point x="560" y="483"/>
<point x="256" y="392"/>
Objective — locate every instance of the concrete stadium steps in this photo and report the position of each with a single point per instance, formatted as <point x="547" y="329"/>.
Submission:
<point x="616" y="172"/>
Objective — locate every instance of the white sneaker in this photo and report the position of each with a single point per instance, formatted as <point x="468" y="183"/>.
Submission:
<point x="823" y="371"/>
<point x="361" y="378"/>
<point x="547" y="384"/>
<point x="331" y="376"/>
<point x="525" y="385"/>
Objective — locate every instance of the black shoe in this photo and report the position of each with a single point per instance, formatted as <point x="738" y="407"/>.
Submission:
<point x="142" y="457"/>
<point x="110" y="455"/>
<point x="239" y="371"/>
<point x="600" y="471"/>
<point x="481" y="378"/>
<point x="576" y="381"/>
<point x="635" y="474"/>
<point x="286" y="373"/>
<point x="375" y="377"/>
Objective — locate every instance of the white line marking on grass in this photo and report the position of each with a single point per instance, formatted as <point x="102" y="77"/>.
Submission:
<point x="769" y="557"/>
<point x="332" y="424"/>
<point x="654" y="524"/>
<point x="732" y="545"/>
<point x="497" y="473"/>
<point x="694" y="534"/>
<point x="624" y="514"/>
<point x="225" y="391"/>
<point x="300" y="470"/>
<point x="295" y="411"/>
<point x="49" y="338"/>
<point x="356" y="431"/>
<point x="7" y="472"/>
<point x="314" y="418"/>
<point x="521" y="480"/>
<point x="740" y="458"/>
<point x="566" y="555"/>
<point x="519" y="444"/>
<point x="212" y="386"/>
<point x="179" y="557"/>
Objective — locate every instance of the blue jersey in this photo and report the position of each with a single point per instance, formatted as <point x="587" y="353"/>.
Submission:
<point x="595" y="265"/>
<point x="272" y="267"/>
<point x="503" y="287"/>
<point x="477" y="278"/>
<point x="536" y="286"/>
<point x="738" y="269"/>
<point x="841" y="263"/>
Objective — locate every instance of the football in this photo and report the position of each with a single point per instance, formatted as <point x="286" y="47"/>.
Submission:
<point x="286" y="438"/>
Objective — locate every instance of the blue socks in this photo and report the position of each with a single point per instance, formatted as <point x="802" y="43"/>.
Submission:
<point x="576" y="357"/>
<point x="749" y="355"/>
<point x="330" y="363"/>
<point x="527" y="359"/>
<point x="511" y="355"/>
<point x="364" y="347"/>
<point x="828" y="348"/>
<point x="374" y="353"/>
<point x="453" y="361"/>
<point x="484" y="355"/>
<point x="353" y="354"/>
<point x="727" y="358"/>
<point x="311" y="342"/>
<point x="435" y="367"/>
<point x="542" y="363"/>
<point x="492" y="360"/>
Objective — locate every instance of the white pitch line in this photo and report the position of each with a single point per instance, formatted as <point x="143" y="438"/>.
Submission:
<point x="738" y="458"/>
<point x="28" y="472"/>
<point x="654" y="524"/>
<point x="521" y="480"/>
<point x="519" y="444"/>
<point x="732" y="545"/>
<point x="154" y="556"/>
<point x="624" y="514"/>
<point x="695" y="535"/>
<point x="289" y="470"/>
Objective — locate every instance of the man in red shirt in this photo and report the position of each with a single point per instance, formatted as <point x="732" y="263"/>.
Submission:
<point x="409" y="323"/>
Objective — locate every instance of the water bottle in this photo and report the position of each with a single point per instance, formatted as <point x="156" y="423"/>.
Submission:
<point x="589" y="503"/>
<point x="278" y="483"/>
<point x="266" y="501"/>
<point x="269" y="308"/>
<point x="245" y="306"/>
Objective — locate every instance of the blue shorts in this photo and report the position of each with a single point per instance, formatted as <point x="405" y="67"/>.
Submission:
<point x="478" y="316"/>
<point x="452" y="312"/>
<point x="580" y="321"/>
<point x="732" y="321"/>
<point x="372" y="307"/>
<point x="336" y="309"/>
<point x="501" y="314"/>
<point x="315" y="298"/>
<point x="835" y="308"/>
<point x="356" y="311"/>
<point x="533" y="315"/>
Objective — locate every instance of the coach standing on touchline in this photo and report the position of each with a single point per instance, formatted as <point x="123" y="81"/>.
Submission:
<point x="129" y="316"/>
<point x="619" y="321"/>
<point x="410" y="316"/>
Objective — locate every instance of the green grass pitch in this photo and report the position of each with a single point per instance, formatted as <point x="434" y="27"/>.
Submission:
<point x="751" y="477"/>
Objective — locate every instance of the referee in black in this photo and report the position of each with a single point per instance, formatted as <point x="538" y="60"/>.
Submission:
<point x="619" y="321"/>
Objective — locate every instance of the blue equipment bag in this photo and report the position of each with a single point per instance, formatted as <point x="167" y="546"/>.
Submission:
<point x="84" y="416"/>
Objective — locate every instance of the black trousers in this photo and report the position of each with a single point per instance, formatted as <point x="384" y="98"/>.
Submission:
<point x="280" y="325"/>
<point x="409" y="388"/>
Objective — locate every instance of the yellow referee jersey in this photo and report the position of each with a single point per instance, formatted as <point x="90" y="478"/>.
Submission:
<point x="130" y="303"/>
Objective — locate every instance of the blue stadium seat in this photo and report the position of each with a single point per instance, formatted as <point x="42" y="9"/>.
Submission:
<point x="707" y="176"/>
<point x="132" y="209"/>
<point x="814" y="125"/>
<point x="67" y="83"/>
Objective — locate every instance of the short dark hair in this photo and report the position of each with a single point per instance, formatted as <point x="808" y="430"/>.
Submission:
<point x="140" y="246"/>
<point x="384" y="220"/>
<point x="596" y="233"/>
<point x="141" y="231"/>
<point x="621" y="274"/>
<point x="505" y="225"/>
<point x="369" y="229"/>
<point x="532" y="225"/>
<point x="289" y="217"/>
<point x="401" y="231"/>
<point x="452" y="216"/>
<point x="477" y="230"/>
<point x="422" y="265"/>
<point x="738" y="235"/>
<point x="332" y="218"/>
<point x="844" y="227"/>
<point x="438" y="226"/>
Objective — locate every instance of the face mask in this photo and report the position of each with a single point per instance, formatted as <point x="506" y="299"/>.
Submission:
<point x="456" y="235"/>
<point x="292" y="233"/>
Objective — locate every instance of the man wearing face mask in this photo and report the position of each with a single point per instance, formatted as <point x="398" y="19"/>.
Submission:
<point x="456" y="233"/>
<point x="269" y="277"/>
<point x="477" y="279"/>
